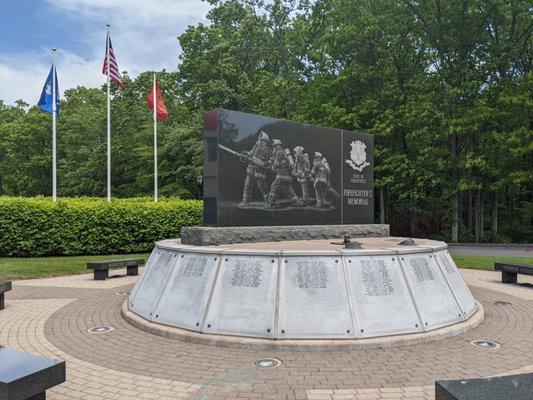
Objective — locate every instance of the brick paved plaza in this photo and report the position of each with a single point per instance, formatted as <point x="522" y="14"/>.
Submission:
<point x="52" y="316"/>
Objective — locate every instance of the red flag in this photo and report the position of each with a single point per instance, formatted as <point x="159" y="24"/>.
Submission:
<point x="162" y="113"/>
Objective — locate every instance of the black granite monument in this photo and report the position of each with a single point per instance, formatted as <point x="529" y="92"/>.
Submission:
<point x="266" y="171"/>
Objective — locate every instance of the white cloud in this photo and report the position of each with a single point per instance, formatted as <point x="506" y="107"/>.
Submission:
<point x="23" y="78"/>
<point x="144" y="34"/>
<point x="135" y="9"/>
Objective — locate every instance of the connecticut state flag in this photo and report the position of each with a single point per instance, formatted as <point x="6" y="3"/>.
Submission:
<point x="45" y="102"/>
<point x="162" y="113"/>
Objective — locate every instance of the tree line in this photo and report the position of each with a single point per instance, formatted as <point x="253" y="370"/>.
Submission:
<point x="25" y="144"/>
<point x="444" y="86"/>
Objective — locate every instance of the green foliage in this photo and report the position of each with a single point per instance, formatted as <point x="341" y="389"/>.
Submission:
<point x="487" y="262"/>
<point x="26" y="156"/>
<point x="34" y="227"/>
<point x="28" y="268"/>
<point x="444" y="86"/>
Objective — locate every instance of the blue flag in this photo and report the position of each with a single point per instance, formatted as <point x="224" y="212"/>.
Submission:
<point x="45" y="102"/>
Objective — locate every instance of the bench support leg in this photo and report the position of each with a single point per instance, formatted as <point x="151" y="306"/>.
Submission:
<point x="40" y="396"/>
<point x="441" y="394"/>
<point x="101" y="274"/>
<point x="133" y="270"/>
<point x="509" y="277"/>
<point x="2" y="304"/>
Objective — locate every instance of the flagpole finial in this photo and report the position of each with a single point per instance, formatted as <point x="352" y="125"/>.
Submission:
<point x="53" y="49"/>
<point x="108" y="25"/>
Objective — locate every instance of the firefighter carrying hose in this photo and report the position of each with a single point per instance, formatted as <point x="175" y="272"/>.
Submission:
<point x="255" y="173"/>
<point x="281" y="163"/>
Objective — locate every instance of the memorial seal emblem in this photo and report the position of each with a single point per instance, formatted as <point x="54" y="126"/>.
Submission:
<point x="358" y="156"/>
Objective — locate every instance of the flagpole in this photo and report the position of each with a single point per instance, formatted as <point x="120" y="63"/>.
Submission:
<point x="54" y="133"/>
<point x="108" y="121"/>
<point x="155" y="139"/>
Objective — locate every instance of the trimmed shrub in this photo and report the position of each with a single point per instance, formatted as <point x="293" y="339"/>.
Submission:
<point x="32" y="227"/>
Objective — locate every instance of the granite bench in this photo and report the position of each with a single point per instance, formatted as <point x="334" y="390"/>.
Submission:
<point x="101" y="269"/>
<point x="512" y="387"/>
<point x="26" y="376"/>
<point x="510" y="271"/>
<point x="5" y="286"/>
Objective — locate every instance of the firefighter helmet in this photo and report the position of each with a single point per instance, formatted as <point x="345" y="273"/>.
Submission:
<point x="263" y="136"/>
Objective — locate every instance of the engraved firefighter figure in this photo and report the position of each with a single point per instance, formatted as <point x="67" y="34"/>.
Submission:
<point x="320" y="174"/>
<point x="256" y="171"/>
<point x="301" y="170"/>
<point x="282" y="164"/>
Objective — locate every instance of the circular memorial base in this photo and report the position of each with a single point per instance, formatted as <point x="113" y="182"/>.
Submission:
<point x="239" y="342"/>
<point x="303" y="294"/>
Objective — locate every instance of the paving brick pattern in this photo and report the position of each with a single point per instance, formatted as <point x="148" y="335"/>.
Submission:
<point x="127" y="363"/>
<point x="22" y="327"/>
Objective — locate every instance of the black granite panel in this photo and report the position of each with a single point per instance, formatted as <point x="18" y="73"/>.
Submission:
<point x="98" y="265"/>
<point x="5" y="286"/>
<point x="210" y="210"/>
<point x="358" y="178"/>
<point x="512" y="387"/>
<point x="270" y="185"/>
<point x="514" y="268"/>
<point x="24" y="375"/>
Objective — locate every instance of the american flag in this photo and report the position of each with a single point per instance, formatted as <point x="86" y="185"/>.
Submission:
<point x="113" y="67"/>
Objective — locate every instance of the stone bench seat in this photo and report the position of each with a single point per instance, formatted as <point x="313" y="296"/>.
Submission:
<point x="511" y="387"/>
<point x="26" y="376"/>
<point x="510" y="271"/>
<point x="5" y="286"/>
<point x="101" y="269"/>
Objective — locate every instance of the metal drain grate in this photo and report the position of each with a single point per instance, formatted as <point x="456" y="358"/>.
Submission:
<point x="485" y="344"/>
<point x="100" y="329"/>
<point x="267" y="362"/>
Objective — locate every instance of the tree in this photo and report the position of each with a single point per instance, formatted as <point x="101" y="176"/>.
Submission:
<point x="444" y="87"/>
<point x="248" y="58"/>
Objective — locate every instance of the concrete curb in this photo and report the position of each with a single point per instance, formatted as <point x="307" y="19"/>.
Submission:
<point x="306" y="345"/>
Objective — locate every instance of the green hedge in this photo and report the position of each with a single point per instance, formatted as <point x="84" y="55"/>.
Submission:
<point x="31" y="227"/>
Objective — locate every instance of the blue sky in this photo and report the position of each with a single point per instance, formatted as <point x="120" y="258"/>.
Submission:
<point x="143" y="32"/>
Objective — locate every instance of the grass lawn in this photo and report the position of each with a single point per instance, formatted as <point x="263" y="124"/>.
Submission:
<point x="39" y="267"/>
<point x="487" y="263"/>
<point x="26" y="268"/>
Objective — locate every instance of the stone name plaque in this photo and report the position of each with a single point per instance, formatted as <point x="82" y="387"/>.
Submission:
<point x="185" y="297"/>
<point x="456" y="282"/>
<point x="266" y="171"/>
<point x="379" y="288"/>
<point x="154" y="280"/>
<point x="149" y="263"/>
<point x="244" y="285"/>
<point x="314" y="298"/>
<point x="431" y="293"/>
